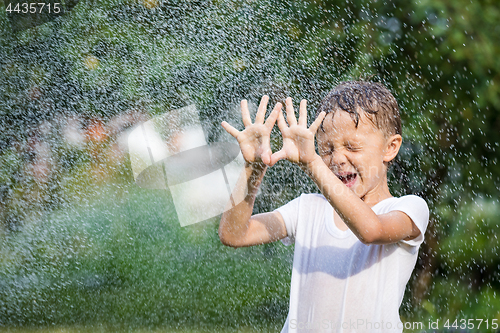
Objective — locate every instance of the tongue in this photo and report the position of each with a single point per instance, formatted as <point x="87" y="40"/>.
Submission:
<point x="347" y="178"/>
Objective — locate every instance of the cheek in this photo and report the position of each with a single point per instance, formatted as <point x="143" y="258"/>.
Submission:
<point x="373" y="167"/>
<point x="326" y="159"/>
<point x="366" y="166"/>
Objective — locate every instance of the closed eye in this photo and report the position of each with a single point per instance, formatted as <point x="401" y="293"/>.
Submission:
<point x="352" y="148"/>
<point x="325" y="151"/>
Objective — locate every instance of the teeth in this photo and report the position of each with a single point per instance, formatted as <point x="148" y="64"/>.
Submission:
<point x="347" y="177"/>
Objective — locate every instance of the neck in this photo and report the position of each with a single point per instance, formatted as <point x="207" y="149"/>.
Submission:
<point x="378" y="194"/>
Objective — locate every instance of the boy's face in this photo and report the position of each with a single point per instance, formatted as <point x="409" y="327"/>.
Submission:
<point x="357" y="155"/>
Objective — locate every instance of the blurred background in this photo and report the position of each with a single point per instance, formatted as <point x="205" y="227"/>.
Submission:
<point x="84" y="249"/>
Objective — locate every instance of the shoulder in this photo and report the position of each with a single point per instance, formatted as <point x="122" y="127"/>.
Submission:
<point x="414" y="207"/>
<point x="307" y="199"/>
<point x="302" y="204"/>
<point x="299" y="209"/>
<point x="405" y="200"/>
<point x="313" y="197"/>
<point x="411" y="200"/>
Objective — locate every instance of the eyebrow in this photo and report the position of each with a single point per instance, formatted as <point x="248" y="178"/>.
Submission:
<point x="350" y="142"/>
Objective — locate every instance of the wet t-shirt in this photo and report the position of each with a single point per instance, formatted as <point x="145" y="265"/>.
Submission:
<point x="340" y="284"/>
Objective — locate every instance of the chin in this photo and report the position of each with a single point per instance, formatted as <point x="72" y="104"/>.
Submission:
<point x="359" y="192"/>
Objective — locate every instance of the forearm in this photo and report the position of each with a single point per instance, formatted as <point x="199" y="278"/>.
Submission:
<point x="235" y="219"/>
<point x="355" y="213"/>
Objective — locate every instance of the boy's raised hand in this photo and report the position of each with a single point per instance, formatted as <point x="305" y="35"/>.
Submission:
<point x="255" y="139"/>
<point x="298" y="140"/>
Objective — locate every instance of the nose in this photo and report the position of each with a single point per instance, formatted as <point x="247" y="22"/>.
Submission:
<point x="338" y="158"/>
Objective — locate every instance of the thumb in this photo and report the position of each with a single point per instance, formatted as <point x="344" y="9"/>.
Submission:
<point x="279" y="155"/>
<point x="266" y="156"/>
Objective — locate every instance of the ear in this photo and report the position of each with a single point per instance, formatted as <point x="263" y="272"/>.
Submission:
<point x="392" y="148"/>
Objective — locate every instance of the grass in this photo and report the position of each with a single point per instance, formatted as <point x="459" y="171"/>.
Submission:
<point x="119" y="261"/>
<point x="115" y="329"/>
<point x="100" y="329"/>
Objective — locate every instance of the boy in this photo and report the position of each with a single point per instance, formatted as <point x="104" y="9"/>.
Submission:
<point x="355" y="245"/>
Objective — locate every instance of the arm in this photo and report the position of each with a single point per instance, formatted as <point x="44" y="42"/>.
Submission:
<point x="298" y="147"/>
<point x="356" y="214"/>
<point x="237" y="226"/>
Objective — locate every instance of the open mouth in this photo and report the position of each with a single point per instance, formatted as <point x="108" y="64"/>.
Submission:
<point x="348" y="178"/>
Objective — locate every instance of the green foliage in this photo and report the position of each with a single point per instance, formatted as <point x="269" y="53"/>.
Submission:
<point x="438" y="57"/>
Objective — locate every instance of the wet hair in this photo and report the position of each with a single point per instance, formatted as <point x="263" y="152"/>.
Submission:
<point x="377" y="102"/>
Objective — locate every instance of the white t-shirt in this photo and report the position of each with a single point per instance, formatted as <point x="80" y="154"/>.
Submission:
<point x="340" y="284"/>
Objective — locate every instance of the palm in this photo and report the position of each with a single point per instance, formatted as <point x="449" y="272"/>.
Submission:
<point x="254" y="143"/>
<point x="297" y="143"/>
<point x="298" y="140"/>
<point x="254" y="140"/>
